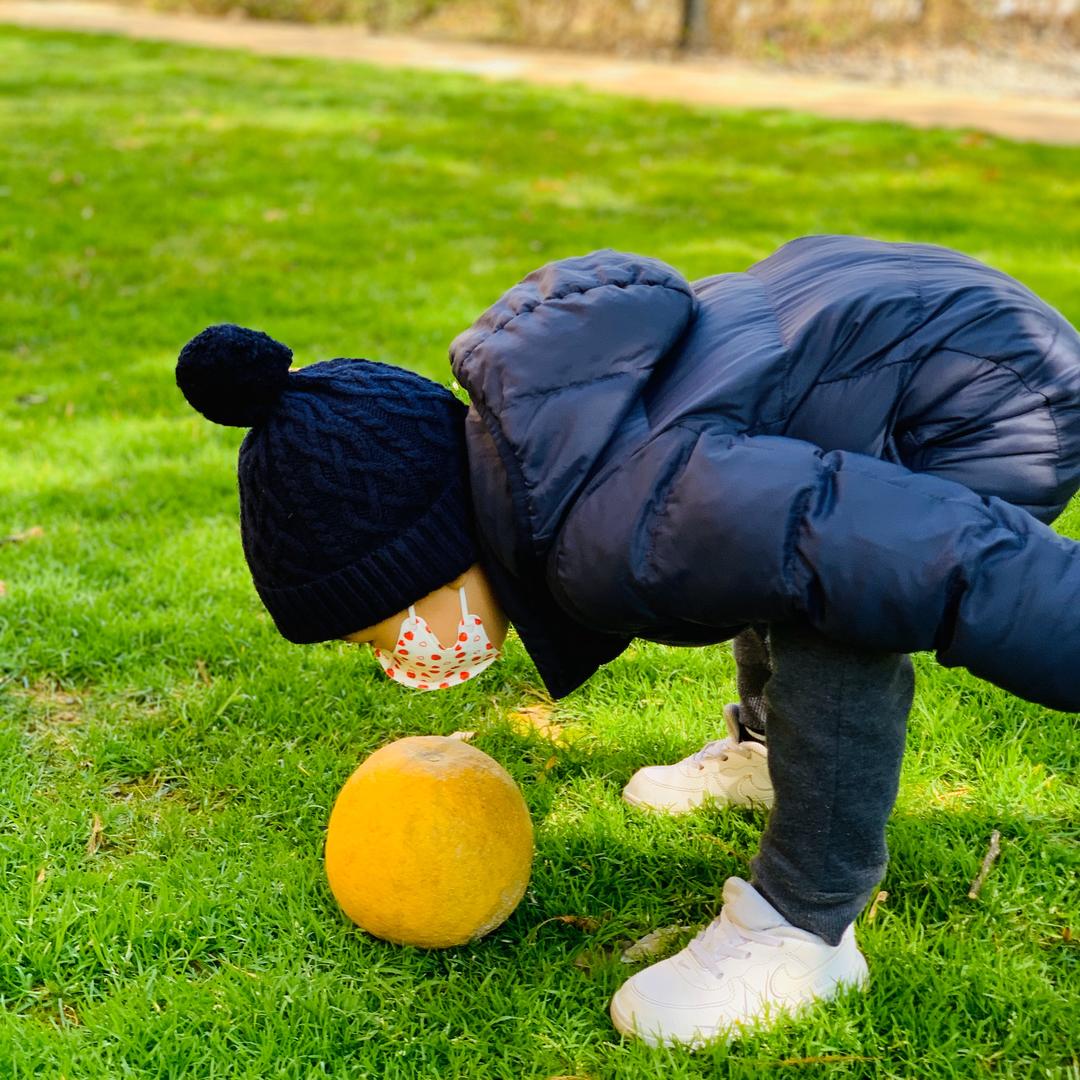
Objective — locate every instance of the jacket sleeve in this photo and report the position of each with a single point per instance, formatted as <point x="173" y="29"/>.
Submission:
<point x="724" y="530"/>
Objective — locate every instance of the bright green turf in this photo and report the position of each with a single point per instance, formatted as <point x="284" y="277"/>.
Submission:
<point x="150" y="190"/>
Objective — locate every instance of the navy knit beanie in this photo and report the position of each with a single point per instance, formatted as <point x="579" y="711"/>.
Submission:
<point x="354" y="497"/>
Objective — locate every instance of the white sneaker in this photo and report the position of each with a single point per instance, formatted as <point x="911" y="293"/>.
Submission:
<point x="730" y="772"/>
<point x="748" y="966"/>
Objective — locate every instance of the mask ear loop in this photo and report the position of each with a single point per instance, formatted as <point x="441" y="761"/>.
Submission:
<point x="464" y="606"/>
<point x="412" y="611"/>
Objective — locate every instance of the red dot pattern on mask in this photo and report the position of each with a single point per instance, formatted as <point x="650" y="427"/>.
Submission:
<point x="408" y="664"/>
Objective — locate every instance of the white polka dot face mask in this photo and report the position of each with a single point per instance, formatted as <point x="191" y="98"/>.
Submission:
<point x="421" y="662"/>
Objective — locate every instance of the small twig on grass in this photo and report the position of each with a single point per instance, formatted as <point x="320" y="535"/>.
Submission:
<point x="992" y="852"/>
<point x="878" y="901"/>
<point x="824" y="1059"/>
<point x="97" y="831"/>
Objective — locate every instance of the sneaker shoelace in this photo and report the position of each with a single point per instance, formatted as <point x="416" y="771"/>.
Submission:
<point x="718" y="748"/>
<point x="723" y="939"/>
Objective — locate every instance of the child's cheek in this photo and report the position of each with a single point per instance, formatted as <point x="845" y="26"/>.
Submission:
<point x="386" y="641"/>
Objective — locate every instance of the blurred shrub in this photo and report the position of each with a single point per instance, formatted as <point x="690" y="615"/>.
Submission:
<point x="376" y="14"/>
<point x="746" y="27"/>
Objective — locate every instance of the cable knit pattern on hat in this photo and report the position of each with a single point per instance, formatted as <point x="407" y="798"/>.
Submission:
<point x="354" y="498"/>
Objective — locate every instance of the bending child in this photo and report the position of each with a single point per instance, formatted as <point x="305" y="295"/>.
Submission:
<point x="847" y="453"/>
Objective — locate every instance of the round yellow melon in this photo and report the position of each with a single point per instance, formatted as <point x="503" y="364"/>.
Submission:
<point x="429" y="843"/>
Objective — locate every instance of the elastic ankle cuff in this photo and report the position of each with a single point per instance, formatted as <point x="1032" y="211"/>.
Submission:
<point x="826" y="914"/>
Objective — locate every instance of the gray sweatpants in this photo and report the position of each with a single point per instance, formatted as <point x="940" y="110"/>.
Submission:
<point x="834" y="718"/>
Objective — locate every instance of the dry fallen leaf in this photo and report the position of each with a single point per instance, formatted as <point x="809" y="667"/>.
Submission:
<point x="536" y="719"/>
<point x="204" y="675"/>
<point x="582" y="922"/>
<point x="33" y="533"/>
<point x="40" y="875"/>
<point x="1066" y="937"/>
<point x="463" y="736"/>
<point x="652" y="944"/>
<point x="956" y="793"/>
<point x="97" y="831"/>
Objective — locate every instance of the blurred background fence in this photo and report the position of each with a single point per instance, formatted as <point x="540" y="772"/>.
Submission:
<point x="759" y="28"/>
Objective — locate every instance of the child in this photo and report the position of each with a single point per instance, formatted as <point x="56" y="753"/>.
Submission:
<point x="849" y="452"/>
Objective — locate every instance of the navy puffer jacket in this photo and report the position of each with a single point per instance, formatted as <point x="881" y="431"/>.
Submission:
<point x="868" y="436"/>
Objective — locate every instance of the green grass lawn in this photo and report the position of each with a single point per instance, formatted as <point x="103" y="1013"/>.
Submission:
<point x="168" y="762"/>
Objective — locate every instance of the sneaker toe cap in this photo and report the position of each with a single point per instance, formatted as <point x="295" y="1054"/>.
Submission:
<point x="654" y="787"/>
<point x="661" y="1008"/>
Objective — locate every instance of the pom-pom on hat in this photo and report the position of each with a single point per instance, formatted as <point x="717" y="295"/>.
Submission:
<point x="233" y="375"/>
<point x="354" y="496"/>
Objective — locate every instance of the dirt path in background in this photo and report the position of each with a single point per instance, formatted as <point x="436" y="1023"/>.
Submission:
<point x="699" y="82"/>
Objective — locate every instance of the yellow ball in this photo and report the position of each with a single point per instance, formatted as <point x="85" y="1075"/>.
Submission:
<point x="429" y="843"/>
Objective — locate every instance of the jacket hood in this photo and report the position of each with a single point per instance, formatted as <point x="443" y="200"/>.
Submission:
<point x="555" y="370"/>
<point x="557" y="365"/>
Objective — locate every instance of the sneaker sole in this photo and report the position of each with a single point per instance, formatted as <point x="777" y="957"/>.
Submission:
<point x="859" y="980"/>
<point x="633" y="800"/>
<point x="709" y="800"/>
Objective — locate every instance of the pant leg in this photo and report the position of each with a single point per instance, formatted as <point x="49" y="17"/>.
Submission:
<point x="753" y="669"/>
<point x="837" y="718"/>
